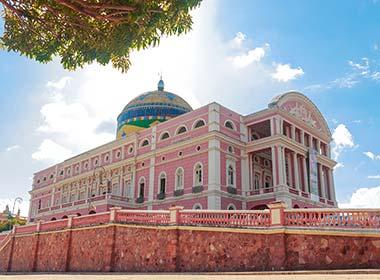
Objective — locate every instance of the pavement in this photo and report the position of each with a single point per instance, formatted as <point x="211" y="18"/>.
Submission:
<point x="293" y="275"/>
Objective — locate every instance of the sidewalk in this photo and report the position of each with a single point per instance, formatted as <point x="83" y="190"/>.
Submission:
<point x="287" y="275"/>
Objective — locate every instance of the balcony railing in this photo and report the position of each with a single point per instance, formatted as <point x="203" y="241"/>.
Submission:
<point x="225" y="218"/>
<point x="277" y="215"/>
<point x="341" y="218"/>
<point x="291" y="190"/>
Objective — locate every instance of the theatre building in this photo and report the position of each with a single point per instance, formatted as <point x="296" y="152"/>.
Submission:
<point x="166" y="153"/>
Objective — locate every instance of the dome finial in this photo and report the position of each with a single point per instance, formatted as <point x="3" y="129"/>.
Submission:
<point x="160" y="85"/>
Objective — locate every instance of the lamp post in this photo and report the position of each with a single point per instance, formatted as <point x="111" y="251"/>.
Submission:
<point x="19" y="200"/>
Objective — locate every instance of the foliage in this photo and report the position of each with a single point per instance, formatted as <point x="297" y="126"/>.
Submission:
<point x="83" y="31"/>
<point x="8" y="225"/>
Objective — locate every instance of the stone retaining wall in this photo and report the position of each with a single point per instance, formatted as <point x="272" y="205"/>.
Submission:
<point x="131" y="248"/>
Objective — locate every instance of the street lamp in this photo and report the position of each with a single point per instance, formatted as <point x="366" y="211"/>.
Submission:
<point x="19" y="200"/>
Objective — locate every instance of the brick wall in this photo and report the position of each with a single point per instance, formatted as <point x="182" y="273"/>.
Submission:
<point x="131" y="248"/>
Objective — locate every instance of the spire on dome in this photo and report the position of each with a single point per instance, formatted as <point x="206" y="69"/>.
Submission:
<point x="161" y="84"/>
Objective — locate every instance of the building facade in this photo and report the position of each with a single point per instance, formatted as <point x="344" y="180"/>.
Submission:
<point x="210" y="158"/>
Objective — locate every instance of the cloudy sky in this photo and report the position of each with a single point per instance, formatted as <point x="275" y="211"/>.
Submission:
<point x="240" y="54"/>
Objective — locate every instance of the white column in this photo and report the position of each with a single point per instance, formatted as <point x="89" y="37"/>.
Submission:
<point x="213" y="117"/>
<point x="151" y="181"/>
<point x="331" y="183"/>
<point x="303" y="137"/>
<point x="321" y="181"/>
<point x="243" y="131"/>
<point x="133" y="181"/>
<point x="274" y="166"/>
<point x="289" y="163"/>
<point x="213" y="200"/>
<point x="121" y="182"/>
<point x="153" y="136"/>
<point x="318" y="146"/>
<point x="296" y="171"/>
<point x="272" y="124"/>
<point x="281" y="164"/>
<point x="281" y="126"/>
<point x="293" y="132"/>
<point x="244" y="172"/>
<point x="305" y="175"/>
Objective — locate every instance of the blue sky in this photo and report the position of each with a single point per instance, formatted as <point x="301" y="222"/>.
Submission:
<point x="238" y="51"/>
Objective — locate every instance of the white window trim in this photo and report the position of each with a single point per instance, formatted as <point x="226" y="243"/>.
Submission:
<point x="178" y="128"/>
<point x="233" y="205"/>
<point x="195" y="175"/>
<point x="196" y="121"/>
<point x="183" y="179"/>
<point x="233" y="124"/>
<point x="197" y="205"/>
<point x="159" y="182"/>
<point x="233" y="164"/>
<point x="162" y="134"/>
<point x="141" y="180"/>
<point x="142" y="141"/>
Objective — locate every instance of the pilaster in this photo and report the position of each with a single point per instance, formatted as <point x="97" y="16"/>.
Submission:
<point x="214" y="201"/>
<point x="214" y="117"/>
<point x="151" y="181"/>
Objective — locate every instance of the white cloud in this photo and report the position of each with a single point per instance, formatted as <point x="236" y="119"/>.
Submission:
<point x="51" y="151"/>
<point x="364" y="198"/>
<point x="60" y="84"/>
<point x="359" y="71"/>
<point x="372" y="156"/>
<point x="338" y="165"/>
<point x="245" y="59"/>
<point x="344" y="82"/>
<point x="238" y="40"/>
<point x="342" y="140"/>
<point x="285" y="73"/>
<point x="11" y="148"/>
<point x="374" y="177"/>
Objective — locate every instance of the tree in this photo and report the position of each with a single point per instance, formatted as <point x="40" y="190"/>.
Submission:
<point x="83" y="31"/>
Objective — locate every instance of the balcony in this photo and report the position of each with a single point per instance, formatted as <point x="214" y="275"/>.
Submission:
<point x="231" y="190"/>
<point x="178" y="192"/>
<point x="161" y="196"/>
<point x="139" y="199"/>
<point x="197" y="189"/>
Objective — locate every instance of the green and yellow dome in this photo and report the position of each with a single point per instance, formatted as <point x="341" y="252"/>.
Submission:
<point x="149" y="108"/>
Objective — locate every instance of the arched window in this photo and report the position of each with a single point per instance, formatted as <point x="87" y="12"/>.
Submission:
<point x="197" y="206"/>
<point x="64" y="217"/>
<point x="179" y="178"/>
<point x="181" y="130"/>
<point x="268" y="182"/>
<point x="165" y="135"/>
<point x="231" y="207"/>
<point x="144" y="143"/>
<point x="230" y="176"/>
<point x="92" y="212"/>
<point x="198" y="176"/>
<point x="141" y="187"/>
<point x="162" y="182"/>
<point x="199" y="123"/>
<point x="257" y="181"/>
<point x="53" y="219"/>
<point x="230" y="125"/>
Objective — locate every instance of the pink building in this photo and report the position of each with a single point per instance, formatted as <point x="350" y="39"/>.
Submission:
<point x="209" y="158"/>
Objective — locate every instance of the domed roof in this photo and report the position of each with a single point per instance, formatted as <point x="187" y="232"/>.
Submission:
<point x="148" y="108"/>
